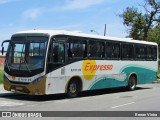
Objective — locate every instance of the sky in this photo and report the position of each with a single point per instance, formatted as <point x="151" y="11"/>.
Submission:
<point x="74" y="15"/>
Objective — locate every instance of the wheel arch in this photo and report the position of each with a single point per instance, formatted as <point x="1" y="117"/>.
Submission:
<point x="133" y="74"/>
<point x="76" y="78"/>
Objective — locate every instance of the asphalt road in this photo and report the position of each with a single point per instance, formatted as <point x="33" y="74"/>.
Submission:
<point x="144" y="98"/>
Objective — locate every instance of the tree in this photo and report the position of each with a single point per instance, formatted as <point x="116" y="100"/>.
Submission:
<point x="139" y="23"/>
<point x="135" y="21"/>
<point x="151" y="15"/>
<point x="154" y="35"/>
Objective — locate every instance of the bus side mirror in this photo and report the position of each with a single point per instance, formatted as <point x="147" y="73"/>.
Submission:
<point x="2" y="50"/>
<point x="3" y="43"/>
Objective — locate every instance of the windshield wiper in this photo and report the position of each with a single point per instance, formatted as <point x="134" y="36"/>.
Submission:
<point x="27" y="65"/>
<point x="24" y="61"/>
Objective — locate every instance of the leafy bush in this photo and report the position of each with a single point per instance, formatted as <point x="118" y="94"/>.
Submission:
<point x="1" y="77"/>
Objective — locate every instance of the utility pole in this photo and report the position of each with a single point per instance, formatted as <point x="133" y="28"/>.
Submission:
<point x="105" y="30"/>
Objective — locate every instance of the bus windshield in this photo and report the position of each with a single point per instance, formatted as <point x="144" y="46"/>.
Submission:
<point x="26" y="54"/>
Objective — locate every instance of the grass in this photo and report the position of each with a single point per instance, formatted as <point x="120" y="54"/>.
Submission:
<point x="1" y="75"/>
<point x="159" y="70"/>
<point x="158" y="74"/>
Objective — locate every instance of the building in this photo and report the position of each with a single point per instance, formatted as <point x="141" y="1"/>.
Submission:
<point x="2" y="58"/>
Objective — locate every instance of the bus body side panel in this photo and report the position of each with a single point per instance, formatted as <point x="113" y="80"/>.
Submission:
<point x="55" y="82"/>
<point x="122" y="70"/>
<point x="99" y="74"/>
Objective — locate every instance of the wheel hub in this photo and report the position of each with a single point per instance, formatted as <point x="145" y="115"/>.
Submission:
<point x="72" y="88"/>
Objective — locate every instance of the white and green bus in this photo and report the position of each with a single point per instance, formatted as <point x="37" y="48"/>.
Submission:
<point x="43" y="62"/>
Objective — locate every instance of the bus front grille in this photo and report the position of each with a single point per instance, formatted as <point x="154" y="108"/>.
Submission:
<point x="19" y="89"/>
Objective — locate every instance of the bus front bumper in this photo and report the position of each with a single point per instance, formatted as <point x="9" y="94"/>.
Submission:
<point x="31" y="88"/>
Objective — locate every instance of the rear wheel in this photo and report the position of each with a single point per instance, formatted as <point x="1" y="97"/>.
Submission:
<point x="132" y="83"/>
<point x="73" y="89"/>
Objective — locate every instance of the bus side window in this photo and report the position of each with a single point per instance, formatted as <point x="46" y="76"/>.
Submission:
<point x="109" y="50"/>
<point x="127" y="51"/>
<point x="140" y="52"/>
<point x="112" y="50"/>
<point x="116" y="50"/>
<point x="76" y="48"/>
<point x="69" y="50"/>
<point x="149" y="53"/>
<point x="154" y="53"/>
<point x="58" y="53"/>
<point x="96" y="49"/>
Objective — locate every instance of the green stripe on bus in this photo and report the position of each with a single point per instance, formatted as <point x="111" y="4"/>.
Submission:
<point x="144" y="75"/>
<point x="134" y="65"/>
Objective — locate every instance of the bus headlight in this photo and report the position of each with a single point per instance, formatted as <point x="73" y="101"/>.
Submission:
<point x="37" y="80"/>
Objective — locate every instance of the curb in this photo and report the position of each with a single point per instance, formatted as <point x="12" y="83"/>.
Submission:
<point x="2" y="91"/>
<point x="157" y="81"/>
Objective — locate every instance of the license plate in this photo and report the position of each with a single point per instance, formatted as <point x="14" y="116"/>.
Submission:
<point x="19" y="88"/>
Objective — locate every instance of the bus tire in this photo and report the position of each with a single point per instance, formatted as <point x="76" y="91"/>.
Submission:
<point x="72" y="89"/>
<point x="132" y="83"/>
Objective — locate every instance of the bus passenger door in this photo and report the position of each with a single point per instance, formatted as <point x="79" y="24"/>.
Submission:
<point x="56" y="56"/>
<point x="55" y="68"/>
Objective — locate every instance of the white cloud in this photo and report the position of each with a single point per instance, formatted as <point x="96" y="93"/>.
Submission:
<point x="78" y="4"/>
<point x="6" y="1"/>
<point x="32" y="13"/>
<point x="81" y="4"/>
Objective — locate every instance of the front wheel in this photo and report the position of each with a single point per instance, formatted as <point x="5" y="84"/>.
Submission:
<point x="72" y="90"/>
<point x="132" y="83"/>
